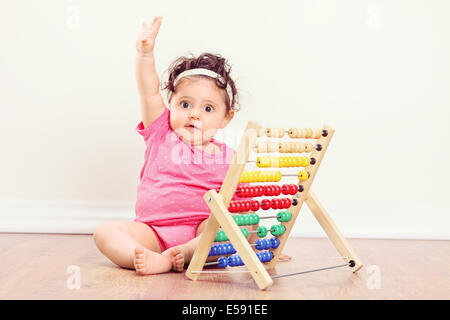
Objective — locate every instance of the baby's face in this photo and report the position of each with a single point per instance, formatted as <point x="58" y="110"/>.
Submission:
<point x="198" y="110"/>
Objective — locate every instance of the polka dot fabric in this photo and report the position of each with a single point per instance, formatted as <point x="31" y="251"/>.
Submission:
<point x="173" y="180"/>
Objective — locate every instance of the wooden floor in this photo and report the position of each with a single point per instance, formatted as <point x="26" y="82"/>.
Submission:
<point x="34" y="266"/>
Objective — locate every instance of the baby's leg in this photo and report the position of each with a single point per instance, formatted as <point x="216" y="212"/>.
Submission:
<point x="131" y="245"/>
<point x="182" y="254"/>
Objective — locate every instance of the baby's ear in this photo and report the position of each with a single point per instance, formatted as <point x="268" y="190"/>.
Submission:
<point x="227" y="119"/>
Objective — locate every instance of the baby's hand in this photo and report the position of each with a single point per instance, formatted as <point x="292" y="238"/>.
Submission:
<point x="146" y="40"/>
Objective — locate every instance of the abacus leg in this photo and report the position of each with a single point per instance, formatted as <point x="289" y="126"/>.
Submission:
<point x="201" y="254"/>
<point x="332" y="231"/>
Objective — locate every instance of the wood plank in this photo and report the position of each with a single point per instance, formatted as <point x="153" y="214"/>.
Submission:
<point x="226" y="191"/>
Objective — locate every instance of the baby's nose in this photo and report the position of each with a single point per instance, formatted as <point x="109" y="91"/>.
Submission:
<point x="194" y="115"/>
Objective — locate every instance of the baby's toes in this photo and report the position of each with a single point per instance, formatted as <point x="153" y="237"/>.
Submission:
<point x="179" y="262"/>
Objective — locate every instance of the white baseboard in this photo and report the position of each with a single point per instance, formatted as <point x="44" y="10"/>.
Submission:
<point x="60" y="217"/>
<point x="84" y="217"/>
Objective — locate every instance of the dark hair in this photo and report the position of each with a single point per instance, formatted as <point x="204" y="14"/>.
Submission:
<point x="210" y="61"/>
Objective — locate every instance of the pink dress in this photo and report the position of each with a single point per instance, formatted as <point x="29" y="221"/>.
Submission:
<point x="173" y="181"/>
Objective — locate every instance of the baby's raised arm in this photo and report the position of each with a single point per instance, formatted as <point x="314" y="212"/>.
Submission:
<point x="152" y="103"/>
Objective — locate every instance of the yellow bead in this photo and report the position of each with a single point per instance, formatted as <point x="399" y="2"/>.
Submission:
<point x="277" y="176"/>
<point x="274" y="162"/>
<point x="303" y="175"/>
<point x="263" y="162"/>
<point x="306" y="161"/>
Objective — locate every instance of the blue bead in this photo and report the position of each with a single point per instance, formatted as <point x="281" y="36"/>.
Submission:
<point x="233" y="250"/>
<point x="223" y="262"/>
<point x="266" y="244"/>
<point x="275" y="243"/>
<point x="259" y="245"/>
<point x="232" y="261"/>
<point x="262" y="257"/>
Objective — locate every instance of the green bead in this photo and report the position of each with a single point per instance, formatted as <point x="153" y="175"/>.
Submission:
<point x="277" y="230"/>
<point x="238" y="220"/>
<point x="219" y="236"/>
<point x="244" y="232"/>
<point x="254" y="219"/>
<point x="284" y="216"/>
<point x="280" y="216"/>
<point x="288" y="216"/>
<point x="261" y="231"/>
<point x="246" y="220"/>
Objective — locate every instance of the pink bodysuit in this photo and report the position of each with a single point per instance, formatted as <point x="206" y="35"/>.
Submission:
<point x="173" y="181"/>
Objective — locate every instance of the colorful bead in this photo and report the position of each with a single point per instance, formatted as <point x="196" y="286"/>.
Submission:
<point x="222" y="262"/>
<point x="284" y="216"/>
<point x="265" y="204"/>
<point x="277" y="230"/>
<point x="261" y="231"/>
<point x="275" y="242"/>
<point x="303" y="175"/>
<point x="221" y="236"/>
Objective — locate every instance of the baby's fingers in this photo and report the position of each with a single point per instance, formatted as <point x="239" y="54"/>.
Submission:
<point x="154" y="27"/>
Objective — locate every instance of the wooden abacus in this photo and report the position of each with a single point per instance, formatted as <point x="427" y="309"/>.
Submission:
<point x="221" y="205"/>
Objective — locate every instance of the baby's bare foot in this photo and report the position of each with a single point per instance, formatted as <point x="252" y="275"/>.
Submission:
<point x="149" y="262"/>
<point x="176" y="256"/>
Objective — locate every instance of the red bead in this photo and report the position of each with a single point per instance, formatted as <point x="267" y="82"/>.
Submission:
<point x="274" y="204"/>
<point x="255" y="205"/>
<point x="293" y="189"/>
<point x="232" y="207"/>
<point x="265" y="204"/>
<point x="287" y="203"/>
<point x="248" y="205"/>
<point x="280" y="204"/>
<point x="288" y="189"/>
<point x="260" y="191"/>
<point x="266" y="190"/>
<point x="284" y="188"/>
<point x="277" y="190"/>
<point x="273" y="190"/>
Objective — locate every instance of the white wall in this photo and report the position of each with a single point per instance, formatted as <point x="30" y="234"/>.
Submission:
<point x="377" y="71"/>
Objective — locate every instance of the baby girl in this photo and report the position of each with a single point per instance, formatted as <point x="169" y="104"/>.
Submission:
<point x="182" y="159"/>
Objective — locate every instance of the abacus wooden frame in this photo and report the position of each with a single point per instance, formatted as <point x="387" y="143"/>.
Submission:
<point x="220" y="217"/>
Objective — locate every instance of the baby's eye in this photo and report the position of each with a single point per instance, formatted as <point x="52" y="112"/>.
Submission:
<point x="185" y="104"/>
<point x="209" y="108"/>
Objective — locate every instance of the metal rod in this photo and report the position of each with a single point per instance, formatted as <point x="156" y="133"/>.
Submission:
<point x="267" y="217"/>
<point x="308" y="271"/>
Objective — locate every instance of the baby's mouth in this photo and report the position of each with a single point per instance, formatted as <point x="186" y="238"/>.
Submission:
<point x="192" y="126"/>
